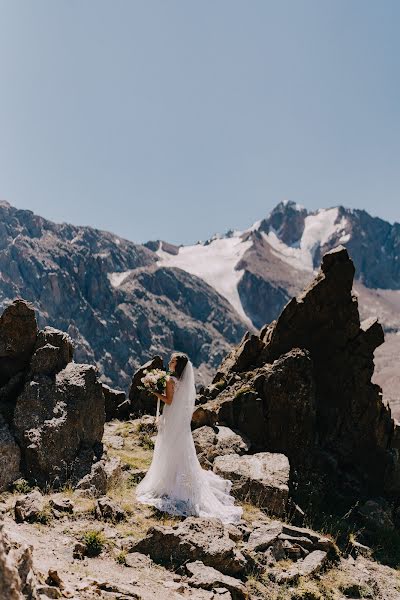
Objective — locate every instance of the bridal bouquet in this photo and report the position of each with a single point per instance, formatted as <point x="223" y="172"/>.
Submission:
<point x="154" y="380"/>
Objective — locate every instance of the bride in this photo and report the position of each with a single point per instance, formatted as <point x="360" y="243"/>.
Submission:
<point x="175" y="482"/>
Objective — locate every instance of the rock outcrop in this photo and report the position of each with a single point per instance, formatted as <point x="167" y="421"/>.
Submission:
<point x="303" y="386"/>
<point x="17" y="578"/>
<point x="52" y="410"/>
<point x="260" y="478"/>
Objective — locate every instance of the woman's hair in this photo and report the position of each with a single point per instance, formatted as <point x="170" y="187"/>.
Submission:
<point x="181" y="362"/>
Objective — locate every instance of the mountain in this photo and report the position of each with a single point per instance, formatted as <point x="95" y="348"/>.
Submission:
<point x="119" y="307"/>
<point x="260" y="268"/>
<point x="122" y="302"/>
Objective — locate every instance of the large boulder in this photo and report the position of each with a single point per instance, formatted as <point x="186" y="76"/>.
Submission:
<point x="303" y="386"/>
<point x="195" y="538"/>
<point x="115" y="403"/>
<point x="260" y="478"/>
<point x="142" y="403"/>
<point x="208" y="578"/>
<point x="18" y="331"/>
<point x="17" y="577"/>
<point x="211" y="442"/>
<point x="52" y="352"/>
<point x="273" y="406"/>
<point x="59" y="424"/>
<point x="10" y="456"/>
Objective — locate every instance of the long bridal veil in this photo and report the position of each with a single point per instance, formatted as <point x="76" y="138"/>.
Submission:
<point x="175" y="482"/>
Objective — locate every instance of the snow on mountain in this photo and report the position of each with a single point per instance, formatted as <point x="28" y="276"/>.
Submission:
<point x="214" y="262"/>
<point x="319" y="228"/>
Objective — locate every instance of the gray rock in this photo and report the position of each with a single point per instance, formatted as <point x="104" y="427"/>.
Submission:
<point x="62" y="505"/>
<point x="309" y="565"/>
<point x="107" y="509"/>
<point x="53" y="351"/>
<point x="114" y="403"/>
<point x="10" y="456"/>
<point x="29" y="507"/>
<point x="18" y="331"/>
<point x="262" y="478"/>
<point x="218" y="441"/>
<point x="17" y="578"/>
<point x="59" y="424"/>
<point x="264" y="536"/>
<point x="195" y="538"/>
<point x="104" y="475"/>
<point x="202" y="576"/>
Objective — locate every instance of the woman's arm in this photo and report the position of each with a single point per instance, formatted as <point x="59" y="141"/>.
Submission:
<point x="169" y="392"/>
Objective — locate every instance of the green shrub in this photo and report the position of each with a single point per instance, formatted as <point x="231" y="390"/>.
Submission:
<point x="94" y="542"/>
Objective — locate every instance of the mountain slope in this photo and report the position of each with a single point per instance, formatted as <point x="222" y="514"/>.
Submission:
<point x="258" y="269"/>
<point x="108" y="293"/>
<point x="123" y="302"/>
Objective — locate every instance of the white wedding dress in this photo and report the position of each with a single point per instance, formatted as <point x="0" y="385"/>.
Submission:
<point x="176" y="482"/>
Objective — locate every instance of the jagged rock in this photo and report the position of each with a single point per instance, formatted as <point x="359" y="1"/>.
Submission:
<point x="62" y="505"/>
<point x="141" y="402"/>
<point x="264" y="536"/>
<point x="309" y="565"/>
<point x="195" y="538"/>
<point x="107" y="509"/>
<point x="10" y="456"/>
<point x="114" y="403"/>
<point x="376" y="514"/>
<point x="262" y="478"/>
<point x="306" y="388"/>
<point x="241" y="358"/>
<point x="210" y="443"/>
<point x="17" y="578"/>
<point x="105" y="474"/>
<point x="202" y="576"/>
<point x="284" y="391"/>
<point x="18" y="331"/>
<point x="53" y="351"/>
<point x="29" y="507"/>
<point x="59" y="424"/>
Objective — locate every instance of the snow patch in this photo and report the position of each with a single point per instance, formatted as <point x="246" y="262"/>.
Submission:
<point x="319" y="228"/>
<point x="214" y="263"/>
<point x="117" y="278"/>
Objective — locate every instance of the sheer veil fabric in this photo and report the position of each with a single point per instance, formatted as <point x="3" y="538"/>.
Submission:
<point x="176" y="482"/>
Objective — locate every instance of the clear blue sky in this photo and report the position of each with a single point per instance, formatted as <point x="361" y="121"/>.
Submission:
<point x="177" y="119"/>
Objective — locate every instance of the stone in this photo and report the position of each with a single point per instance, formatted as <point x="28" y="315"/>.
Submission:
<point x="10" y="456"/>
<point x="53" y="351"/>
<point x="104" y="475"/>
<point x="202" y="576"/>
<point x="195" y="538"/>
<point x="18" y="331"/>
<point x="262" y="478"/>
<point x="17" y="577"/>
<point x="376" y="514"/>
<point x="29" y="507"/>
<point x="62" y="505"/>
<point x="59" y="424"/>
<point x="310" y="565"/>
<point x="107" y="509"/>
<point x="264" y="536"/>
<point x="114" y="403"/>
<point x="306" y="388"/>
<point x="141" y="402"/>
<point x="218" y="441"/>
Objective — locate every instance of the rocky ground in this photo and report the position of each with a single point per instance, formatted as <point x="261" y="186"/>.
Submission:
<point x="112" y="547"/>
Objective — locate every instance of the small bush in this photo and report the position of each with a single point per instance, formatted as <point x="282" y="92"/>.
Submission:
<point x="44" y="516"/>
<point x="94" y="542"/>
<point x="21" y="486"/>
<point x="121" y="558"/>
